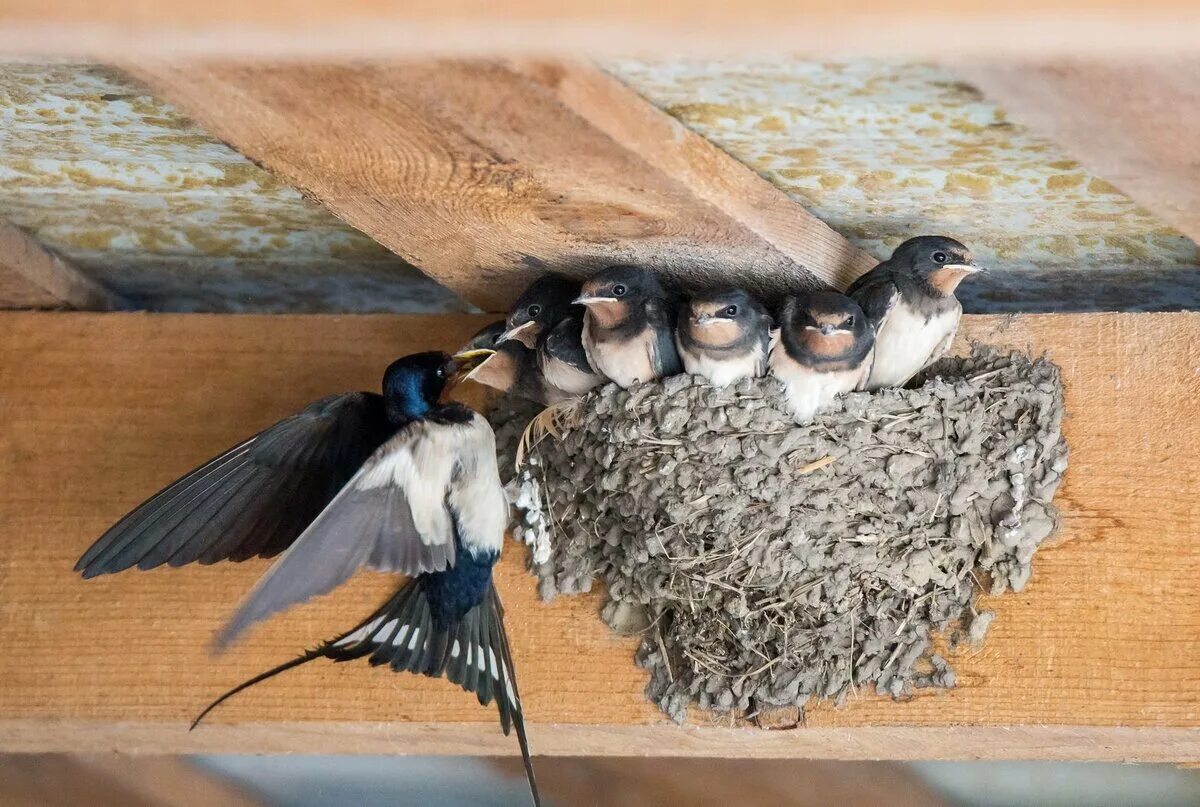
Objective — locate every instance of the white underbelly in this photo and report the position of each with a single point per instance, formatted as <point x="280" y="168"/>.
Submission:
<point x="627" y="362"/>
<point x="808" y="391"/>
<point x="907" y="342"/>
<point x="567" y="378"/>
<point x="721" y="372"/>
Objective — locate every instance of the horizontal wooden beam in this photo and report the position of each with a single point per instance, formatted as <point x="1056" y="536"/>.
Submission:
<point x="1134" y="124"/>
<point x="484" y="173"/>
<point x="33" y="277"/>
<point x="367" y="28"/>
<point x="1098" y="659"/>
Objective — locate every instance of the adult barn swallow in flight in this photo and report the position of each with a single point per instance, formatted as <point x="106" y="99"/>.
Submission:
<point x="821" y="349"/>
<point x="403" y="482"/>
<point x="910" y="301"/>
<point x="547" y="300"/>
<point x="628" y="330"/>
<point x="724" y="335"/>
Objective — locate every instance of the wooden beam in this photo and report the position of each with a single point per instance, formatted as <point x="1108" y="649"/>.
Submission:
<point x="367" y="28"/>
<point x="483" y="174"/>
<point x="109" y="780"/>
<point x="1135" y="124"/>
<point x="1098" y="659"/>
<point x="33" y="277"/>
<point x="634" y="782"/>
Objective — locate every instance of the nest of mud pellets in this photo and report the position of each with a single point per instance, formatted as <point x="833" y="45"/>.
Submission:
<point x="767" y="563"/>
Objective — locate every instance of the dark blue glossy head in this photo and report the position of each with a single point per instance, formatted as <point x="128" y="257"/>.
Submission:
<point x="415" y="385"/>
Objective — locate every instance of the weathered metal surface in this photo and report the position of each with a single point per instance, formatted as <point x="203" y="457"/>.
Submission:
<point x="134" y="193"/>
<point x="882" y="151"/>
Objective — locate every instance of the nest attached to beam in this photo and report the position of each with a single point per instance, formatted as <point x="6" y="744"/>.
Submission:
<point x="767" y="563"/>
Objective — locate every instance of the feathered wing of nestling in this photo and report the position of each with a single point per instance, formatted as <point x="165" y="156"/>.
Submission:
<point x="431" y="488"/>
<point x="252" y="500"/>
<point x="877" y="294"/>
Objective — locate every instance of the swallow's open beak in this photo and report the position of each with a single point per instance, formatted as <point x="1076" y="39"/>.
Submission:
<point x="708" y="319"/>
<point x="523" y="333"/>
<point x="464" y="364"/>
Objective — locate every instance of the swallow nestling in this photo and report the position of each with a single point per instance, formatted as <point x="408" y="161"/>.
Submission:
<point x="628" y="330"/>
<point x="821" y="349"/>
<point x="513" y="370"/>
<point x="724" y="335"/>
<point x="486" y="337"/>
<point x="402" y="482"/>
<point x="563" y="361"/>
<point x="547" y="300"/>
<point x="910" y="301"/>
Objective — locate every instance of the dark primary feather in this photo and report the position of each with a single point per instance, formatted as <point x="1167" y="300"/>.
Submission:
<point x="407" y="635"/>
<point x="252" y="500"/>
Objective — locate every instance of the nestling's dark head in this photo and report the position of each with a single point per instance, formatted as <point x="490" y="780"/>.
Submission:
<point x="617" y="291"/>
<point x="826" y="326"/>
<point x="620" y="283"/>
<point x="547" y="300"/>
<point x="941" y="262"/>
<point x="485" y="338"/>
<point x="721" y="316"/>
<point x="565" y="342"/>
<point x="415" y="384"/>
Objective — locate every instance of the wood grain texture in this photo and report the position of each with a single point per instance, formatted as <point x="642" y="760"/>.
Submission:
<point x="1098" y="659"/>
<point x="633" y="782"/>
<point x="370" y="28"/>
<point x="483" y="174"/>
<point x="1135" y="124"/>
<point x="109" y="780"/>
<point x="32" y="277"/>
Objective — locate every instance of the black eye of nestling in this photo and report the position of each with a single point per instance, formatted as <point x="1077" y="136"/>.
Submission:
<point x="849" y="321"/>
<point x="731" y="311"/>
<point x="618" y="290"/>
<point x="441" y="372"/>
<point x="534" y="310"/>
<point x="939" y="257"/>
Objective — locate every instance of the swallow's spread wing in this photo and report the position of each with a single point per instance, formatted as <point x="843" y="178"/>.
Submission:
<point x="431" y="483"/>
<point x="255" y="498"/>
<point x="877" y="294"/>
<point x="473" y="653"/>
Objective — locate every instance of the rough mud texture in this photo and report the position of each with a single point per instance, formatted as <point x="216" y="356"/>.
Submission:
<point x="768" y="563"/>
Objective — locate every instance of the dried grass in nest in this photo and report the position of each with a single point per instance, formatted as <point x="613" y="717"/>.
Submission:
<point x="768" y="563"/>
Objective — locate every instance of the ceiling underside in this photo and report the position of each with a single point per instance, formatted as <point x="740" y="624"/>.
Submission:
<point x="882" y="151"/>
<point x="139" y="197"/>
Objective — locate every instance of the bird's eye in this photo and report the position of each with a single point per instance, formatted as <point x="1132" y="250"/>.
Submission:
<point x="619" y="290"/>
<point x="441" y="372"/>
<point x="731" y="311"/>
<point x="849" y="321"/>
<point x="939" y="257"/>
<point x="534" y="310"/>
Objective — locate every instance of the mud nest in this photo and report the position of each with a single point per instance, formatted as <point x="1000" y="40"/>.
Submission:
<point x="767" y="563"/>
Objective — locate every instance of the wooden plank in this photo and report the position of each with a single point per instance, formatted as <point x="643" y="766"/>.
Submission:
<point x="635" y="782"/>
<point x="484" y="173"/>
<point x="54" y="780"/>
<point x="1134" y="124"/>
<point x="1098" y="659"/>
<point x="32" y="277"/>
<point x="167" y="781"/>
<point x="368" y="28"/>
